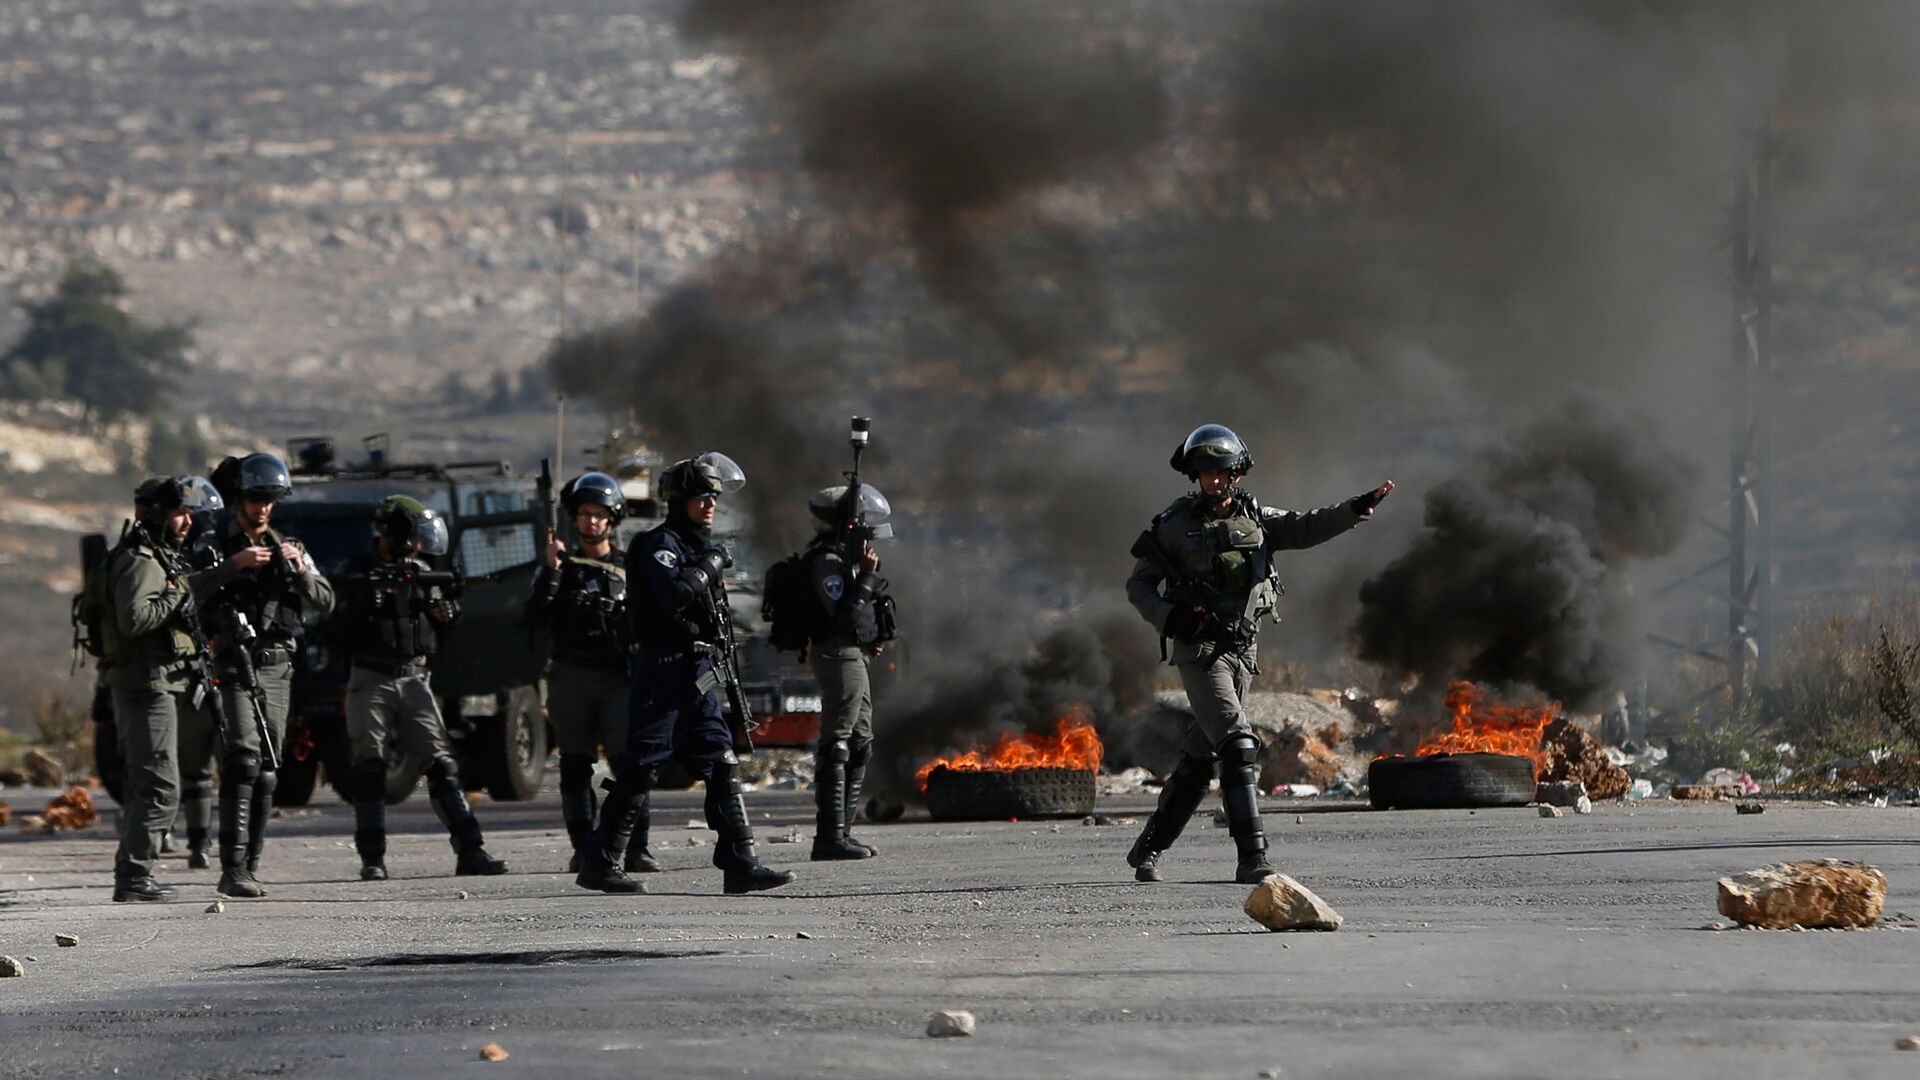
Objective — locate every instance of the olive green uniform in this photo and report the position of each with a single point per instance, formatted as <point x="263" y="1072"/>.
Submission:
<point x="147" y="658"/>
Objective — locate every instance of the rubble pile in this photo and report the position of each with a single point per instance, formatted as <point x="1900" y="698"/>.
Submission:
<point x="73" y="810"/>
<point x="1573" y="754"/>
<point x="1811" y="893"/>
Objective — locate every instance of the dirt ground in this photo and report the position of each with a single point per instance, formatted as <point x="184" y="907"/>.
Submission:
<point x="1489" y="943"/>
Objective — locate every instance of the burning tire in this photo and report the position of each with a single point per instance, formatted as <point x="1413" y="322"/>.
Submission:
<point x="1450" y="781"/>
<point x="999" y="794"/>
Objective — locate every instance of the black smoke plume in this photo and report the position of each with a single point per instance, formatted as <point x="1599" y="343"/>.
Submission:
<point x="1518" y="577"/>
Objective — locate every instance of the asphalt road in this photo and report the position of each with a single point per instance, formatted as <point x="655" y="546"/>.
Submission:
<point x="1491" y="943"/>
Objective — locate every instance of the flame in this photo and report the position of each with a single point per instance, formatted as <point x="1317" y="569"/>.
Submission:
<point x="1484" y="727"/>
<point x="1073" y="745"/>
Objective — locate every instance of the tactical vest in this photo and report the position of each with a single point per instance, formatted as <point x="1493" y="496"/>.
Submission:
<point x="1230" y="560"/>
<point x="590" y="610"/>
<point x="166" y="645"/>
<point x="267" y="595"/>
<point x="390" y="618"/>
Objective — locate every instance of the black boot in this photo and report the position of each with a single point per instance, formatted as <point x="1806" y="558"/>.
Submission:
<point x="639" y="860"/>
<point x="463" y="829"/>
<point x="577" y="805"/>
<point x="196" y="808"/>
<point x="262" y="811"/>
<point x="1179" y="798"/>
<point x="726" y="807"/>
<point x="142" y="889"/>
<point x="856" y="777"/>
<point x="830" y="801"/>
<point x="238" y="774"/>
<point x="1240" y="794"/>
<point x="370" y="818"/>
<point x="626" y="802"/>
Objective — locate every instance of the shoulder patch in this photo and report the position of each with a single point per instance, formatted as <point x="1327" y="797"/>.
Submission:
<point x="834" y="586"/>
<point x="666" y="558"/>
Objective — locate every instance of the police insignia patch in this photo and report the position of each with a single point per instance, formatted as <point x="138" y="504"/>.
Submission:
<point x="834" y="586"/>
<point x="666" y="558"/>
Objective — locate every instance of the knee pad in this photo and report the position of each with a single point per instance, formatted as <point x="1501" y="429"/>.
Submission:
<point x="1239" y="750"/>
<point x="837" y="752"/>
<point x="370" y="780"/>
<point x="724" y="780"/>
<point x="443" y="772"/>
<point x="264" y="784"/>
<point x="240" y="767"/>
<point x="576" y="770"/>
<point x="858" y="754"/>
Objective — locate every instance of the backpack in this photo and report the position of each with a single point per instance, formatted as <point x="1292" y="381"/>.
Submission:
<point x="91" y="603"/>
<point x="787" y="603"/>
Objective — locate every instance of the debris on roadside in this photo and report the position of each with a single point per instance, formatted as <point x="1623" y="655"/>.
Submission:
<point x="1749" y="808"/>
<point x="791" y="836"/>
<point x="1281" y="903"/>
<point x="493" y="1052"/>
<point x="1573" y="754"/>
<point x="1583" y="805"/>
<point x="11" y="968"/>
<point x="463" y="895"/>
<point x="1706" y="792"/>
<point x="65" y="941"/>
<point x="6" y="814"/>
<point x="1560" y="793"/>
<point x="1549" y="810"/>
<point x="216" y="907"/>
<point x="1906" y="1042"/>
<point x="950" y="1025"/>
<point x="1126" y="781"/>
<point x="1814" y="893"/>
<point x="72" y="810"/>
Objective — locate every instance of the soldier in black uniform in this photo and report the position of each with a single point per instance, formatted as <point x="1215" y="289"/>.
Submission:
<point x="392" y="618"/>
<point x="259" y="589"/>
<point x="844" y="632"/>
<point x="582" y="595"/>
<point x="1204" y="578"/>
<point x="679" y="610"/>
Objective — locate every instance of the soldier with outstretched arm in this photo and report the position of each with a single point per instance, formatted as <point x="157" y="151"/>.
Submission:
<point x="1204" y="577"/>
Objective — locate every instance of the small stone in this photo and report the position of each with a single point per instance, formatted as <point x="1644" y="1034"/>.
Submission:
<point x="791" y="836"/>
<point x="11" y="968"/>
<point x="6" y="814"/>
<point x="1749" y="808"/>
<point x="803" y="935"/>
<point x="1583" y="805"/>
<point x="42" y="770"/>
<point x="1270" y="1074"/>
<point x="950" y="1025"/>
<point x="1906" y="1042"/>
<point x="692" y="824"/>
<point x="1547" y="810"/>
<point x="1813" y="892"/>
<point x="463" y="895"/>
<point x="493" y="1052"/>
<point x="1281" y="903"/>
<point x="65" y="941"/>
<point x="216" y="907"/>
<point x="695" y="841"/>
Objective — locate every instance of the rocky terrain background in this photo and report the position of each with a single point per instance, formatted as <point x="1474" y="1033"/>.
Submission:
<point x="368" y="209"/>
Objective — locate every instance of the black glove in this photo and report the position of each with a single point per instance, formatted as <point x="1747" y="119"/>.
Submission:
<point x="1363" y="504"/>
<point x="1185" y="624"/>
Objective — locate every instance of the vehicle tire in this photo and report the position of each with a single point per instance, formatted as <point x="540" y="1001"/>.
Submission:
<point x="403" y="774"/>
<point x="297" y="780"/>
<point x="1450" y="781"/>
<point x="674" y="777"/>
<point x="999" y="794"/>
<point x="516" y="744"/>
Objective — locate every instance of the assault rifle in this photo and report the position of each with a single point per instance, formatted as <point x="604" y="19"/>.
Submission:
<point x="724" y="651"/>
<point x="239" y="635"/>
<point x="203" y="681"/>
<point x="1215" y="632"/>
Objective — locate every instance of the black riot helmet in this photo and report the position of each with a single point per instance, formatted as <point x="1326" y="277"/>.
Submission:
<point x="159" y="495"/>
<point x="1211" y="447"/>
<point x="712" y="473"/>
<point x="597" y="488"/>
<point x="401" y="517"/>
<point x="264" y="476"/>
<point x="857" y="512"/>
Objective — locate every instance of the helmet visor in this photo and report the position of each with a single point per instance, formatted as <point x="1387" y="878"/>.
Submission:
<point x="721" y="471"/>
<point x="197" y="494"/>
<point x="264" y="476"/>
<point x="431" y="528"/>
